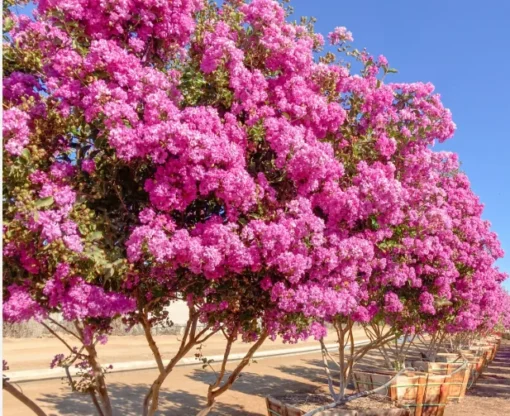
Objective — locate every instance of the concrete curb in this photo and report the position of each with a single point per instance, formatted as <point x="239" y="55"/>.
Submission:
<point x="55" y="373"/>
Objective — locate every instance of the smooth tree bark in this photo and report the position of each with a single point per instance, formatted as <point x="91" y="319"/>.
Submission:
<point x="8" y="387"/>
<point x="349" y="353"/>
<point x="191" y="338"/>
<point x="103" y="404"/>
<point x="325" y="356"/>
<point x="219" y="386"/>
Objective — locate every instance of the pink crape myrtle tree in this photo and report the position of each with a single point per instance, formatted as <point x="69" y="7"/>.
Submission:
<point x="220" y="155"/>
<point x="442" y="247"/>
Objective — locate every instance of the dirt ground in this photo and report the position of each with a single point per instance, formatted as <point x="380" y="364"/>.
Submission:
<point x="183" y="392"/>
<point x="37" y="353"/>
<point x="491" y="394"/>
<point x="185" y="389"/>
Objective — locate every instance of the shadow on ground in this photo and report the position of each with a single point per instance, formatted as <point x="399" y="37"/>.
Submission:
<point x="495" y="380"/>
<point x="126" y="401"/>
<point x="258" y="385"/>
<point x="489" y="397"/>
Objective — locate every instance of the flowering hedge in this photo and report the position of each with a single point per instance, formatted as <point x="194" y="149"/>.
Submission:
<point x="162" y="150"/>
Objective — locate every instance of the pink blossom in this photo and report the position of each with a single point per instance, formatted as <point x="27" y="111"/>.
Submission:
<point x="15" y="130"/>
<point x="88" y="166"/>
<point x="392" y="303"/>
<point x="20" y="306"/>
<point x="340" y="34"/>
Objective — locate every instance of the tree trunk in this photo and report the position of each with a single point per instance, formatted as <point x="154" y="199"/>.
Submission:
<point x="210" y="404"/>
<point x="96" y="403"/>
<point x="150" y="403"/>
<point x="102" y="391"/>
<point x="189" y="340"/>
<point x="216" y="390"/>
<point x="152" y="344"/>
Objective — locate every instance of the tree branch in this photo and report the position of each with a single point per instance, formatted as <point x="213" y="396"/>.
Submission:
<point x="22" y="398"/>
<point x="65" y="329"/>
<point x="150" y="340"/>
<point x="228" y="348"/>
<point x="326" y="368"/>
<point x="52" y="332"/>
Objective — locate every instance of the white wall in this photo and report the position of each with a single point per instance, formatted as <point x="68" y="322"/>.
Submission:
<point x="178" y="312"/>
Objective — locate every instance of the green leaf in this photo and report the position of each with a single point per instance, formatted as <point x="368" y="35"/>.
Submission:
<point x="8" y="24"/>
<point x="83" y="229"/>
<point x="391" y="71"/>
<point x="25" y="155"/>
<point x="44" y="202"/>
<point x="374" y="223"/>
<point x="96" y="235"/>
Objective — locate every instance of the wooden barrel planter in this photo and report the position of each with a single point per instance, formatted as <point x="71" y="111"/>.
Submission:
<point x="459" y="376"/>
<point x="481" y="363"/>
<point x="477" y="359"/>
<point x="276" y="407"/>
<point x="364" y="380"/>
<point x="495" y="343"/>
<point x="489" y="349"/>
<point x="490" y="344"/>
<point x="446" y="357"/>
<point x="487" y="352"/>
<point x="422" y="394"/>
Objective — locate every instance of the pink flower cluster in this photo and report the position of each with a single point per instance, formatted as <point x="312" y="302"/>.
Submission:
<point x="21" y="306"/>
<point x="78" y="300"/>
<point x="54" y="224"/>
<point x="294" y="179"/>
<point x="15" y="130"/>
<point x="340" y="34"/>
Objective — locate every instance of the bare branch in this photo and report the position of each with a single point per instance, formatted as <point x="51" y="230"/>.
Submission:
<point x="52" y="332"/>
<point x="96" y="403"/>
<point x="8" y="387"/>
<point x="150" y="340"/>
<point x="213" y="392"/>
<point x="64" y="328"/>
<point x="326" y="368"/>
<point x="232" y="337"/>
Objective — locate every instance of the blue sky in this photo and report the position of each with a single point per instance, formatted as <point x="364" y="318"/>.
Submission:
<point x="462" y="48"/>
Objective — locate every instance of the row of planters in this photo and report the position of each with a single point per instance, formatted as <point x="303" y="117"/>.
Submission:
<point x="423" y="388"/>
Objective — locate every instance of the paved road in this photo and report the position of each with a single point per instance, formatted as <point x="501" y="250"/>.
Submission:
<point x="37" y="353"/>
